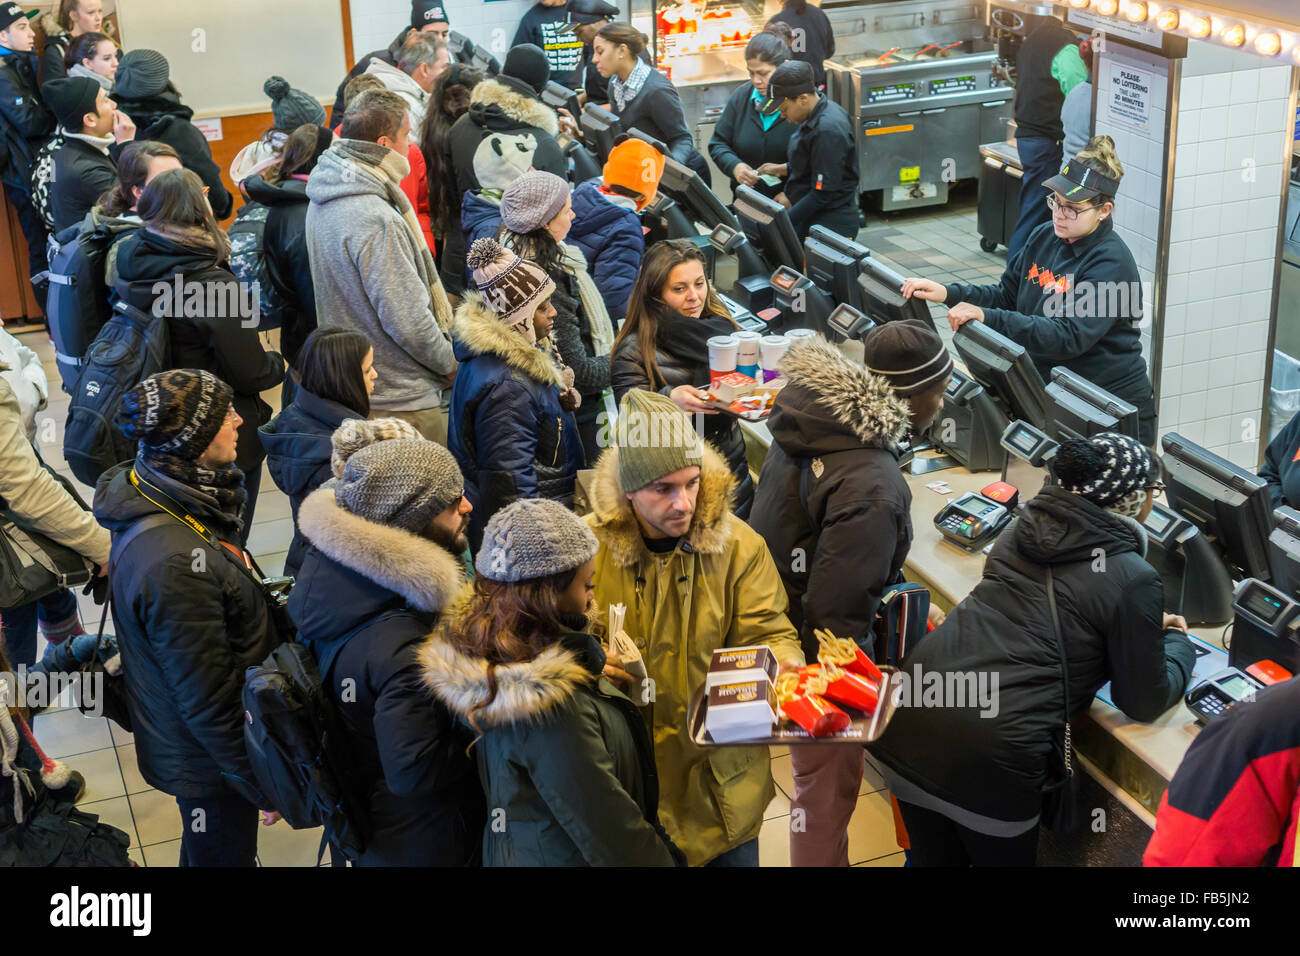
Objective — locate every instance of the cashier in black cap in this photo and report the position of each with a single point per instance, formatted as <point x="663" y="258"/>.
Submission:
<point x="1072" y="295"/>
<point x="821" y="169"/>
<point x="586" y="17"/>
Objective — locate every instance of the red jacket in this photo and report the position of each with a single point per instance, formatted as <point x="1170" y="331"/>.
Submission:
<point x="1235" y="800"/>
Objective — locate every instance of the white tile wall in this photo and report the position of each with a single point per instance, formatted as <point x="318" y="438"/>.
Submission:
<point x="491" y="23"/>
<point x="1228" y="176"/>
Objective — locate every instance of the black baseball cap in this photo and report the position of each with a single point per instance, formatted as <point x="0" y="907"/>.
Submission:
<point x="792" y="78"/>
<point x="1080" y="183"/>
<point x="10" y="13"/>
<point x="587" y="11"/>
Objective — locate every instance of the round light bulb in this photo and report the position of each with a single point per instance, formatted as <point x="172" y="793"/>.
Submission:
<point x="1199" y="27"/>
<point x="1107" y="8"/>
<point x="1234" y="35"/>
<point x="1168" y="19"/>
<point x="1080" y="4"/>
<point x="1269" y="44"/>
<point x="1135" y="11"/>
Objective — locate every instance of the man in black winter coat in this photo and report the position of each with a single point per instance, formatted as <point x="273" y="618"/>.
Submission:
<point x="85" y="167"/>
<point x="188" y="610"/>
<point x="383" y="562"/>
<point x="835" y="511"/>
<point x="25" y="124"/>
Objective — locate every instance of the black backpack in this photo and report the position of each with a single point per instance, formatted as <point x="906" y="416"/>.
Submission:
<point x="77" y="304"/>
<point x="130" y="347"/>
<point x="249" y="262"/>
<point x="294" y="739"/>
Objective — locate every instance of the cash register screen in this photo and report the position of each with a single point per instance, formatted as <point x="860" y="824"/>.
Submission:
<point x="1262" y="605"/>
<point x="1158" y="523"/>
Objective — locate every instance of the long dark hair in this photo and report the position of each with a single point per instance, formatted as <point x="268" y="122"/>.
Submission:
<point x="538" y="246"/>
<point x="449" y="101"/>
<point x="175" y="199"/>
<point x="132" y="171"/>
<point x="509" y="622"/>
<point x="301" y="150"/>
<point x="645" y="309"/>
<point x="329" y="366"/>
<point x="83" y="48"/>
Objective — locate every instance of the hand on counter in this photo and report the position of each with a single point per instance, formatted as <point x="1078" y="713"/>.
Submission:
<point x="745" y="175"/>
<point x="783" y="200"/>
<point x="964" y="312"/>
<point x="926" y="289"/>
<point x="691" y="400"/>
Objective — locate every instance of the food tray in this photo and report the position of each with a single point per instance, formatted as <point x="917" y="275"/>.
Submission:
<point x="862" y="729"/>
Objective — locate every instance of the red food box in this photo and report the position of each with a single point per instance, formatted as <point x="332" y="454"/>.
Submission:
<point x="816" y="715"/>
<point x="732" y="386"/>
<point x="853" y="689"/>
<point x="863" y="665"/>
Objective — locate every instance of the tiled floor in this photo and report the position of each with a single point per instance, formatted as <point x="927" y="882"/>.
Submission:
<point x="934" y="243"/>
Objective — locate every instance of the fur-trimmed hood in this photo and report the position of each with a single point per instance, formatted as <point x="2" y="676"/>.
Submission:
<point x="526" y="691"/>
<point x="476" y="330"/>
<point x="832" y="404"/>
<point x="524" y="109"/>
<point x="421" y="571"/>
<point x="50" y="27"/>
<point x="616" y="526"/>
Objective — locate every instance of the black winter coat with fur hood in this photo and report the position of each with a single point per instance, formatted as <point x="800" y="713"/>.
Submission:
<point x="366" y="597"/>
<point x="562" y="752"/>
<point x="831" y="489"/>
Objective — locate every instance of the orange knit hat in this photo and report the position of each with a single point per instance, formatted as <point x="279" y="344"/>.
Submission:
<point x="633" y="169"/>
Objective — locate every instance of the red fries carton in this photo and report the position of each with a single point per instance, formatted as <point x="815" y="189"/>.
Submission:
<point x="816" y="715"/>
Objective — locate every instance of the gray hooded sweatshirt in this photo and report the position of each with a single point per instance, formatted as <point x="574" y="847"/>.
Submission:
<point x="366" y="266"/>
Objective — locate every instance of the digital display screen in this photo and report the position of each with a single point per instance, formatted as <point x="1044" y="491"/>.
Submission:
<point x="844" y="318"/>
<point x="1262" y="605"/>
<point x="785" y="278"/>
<point x="953" y="84"/>
<point x="894" y="91"/>
<point x="1157" y="523"/>
<point x="1023" y="440"/>
<point x="1236" y="686"/>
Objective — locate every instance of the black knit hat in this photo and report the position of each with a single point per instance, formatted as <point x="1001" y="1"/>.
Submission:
<point x="526" y="69"/>
<point x="909" y="354"/>
<point x="424" y="12"/>
<point x="70" y="99"/>
<point x="175" y="413"/>
<point x="1105" y="468"/>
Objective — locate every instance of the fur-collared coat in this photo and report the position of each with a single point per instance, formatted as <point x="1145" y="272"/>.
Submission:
<point x="366" y="596"/>
<point x="507" y="428"/>
<point x="563" y="754"/>
<point x="519" y="121"/>
<point x="717" y="588"/>
<point x="832" y="490"/>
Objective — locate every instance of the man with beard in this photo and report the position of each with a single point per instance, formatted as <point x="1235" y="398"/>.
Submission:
<point x="384" y="559"/>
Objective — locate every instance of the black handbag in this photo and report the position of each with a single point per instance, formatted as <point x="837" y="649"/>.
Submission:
<point x="1062" y="812"/>
<point x="110" y="688"/>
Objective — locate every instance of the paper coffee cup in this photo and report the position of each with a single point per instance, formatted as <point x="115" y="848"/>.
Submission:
<point x="747" y="353"/>
<point x="796" y="335"/>
<point x="722" y="356"/>
<point x="771" y="348"/>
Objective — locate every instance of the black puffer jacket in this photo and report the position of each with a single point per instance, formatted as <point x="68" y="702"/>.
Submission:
<point x="284" y="243"/>
<point x="722" y="431"/>
<point x="165" y="119"/>
<point x="188" y="630"/>
<point x="25" y="121"/>
<point x="82" y="173"/>
<point x="221" y="345"/>
<point x="366" y="597"/>
<point x="831" y="488"/>
<point x="298" y="449"/>
<point x="1109" y="599"/>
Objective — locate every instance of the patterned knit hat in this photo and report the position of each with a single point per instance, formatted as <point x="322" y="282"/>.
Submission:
<point x="175" y="413"/>
<point x="533" y="200"/>
<point x="534" y="538"/>
<point x="511" y="287"/>
<point x="141" y="73"/>
<point x="292" y="108"/>
<point x="654" y="438"/>
<point x="1107" y="469"/>
<point x="404" y="483"/>
<point x="356" y="433"/>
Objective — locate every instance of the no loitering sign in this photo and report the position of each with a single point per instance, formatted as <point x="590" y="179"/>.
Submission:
<point x="1130" y="96"/>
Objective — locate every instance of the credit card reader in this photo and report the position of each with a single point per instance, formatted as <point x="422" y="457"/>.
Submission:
<point x="971" y="520"/>
<point x="849" y="322"/>
<point x="1265" y="626"/>
<point x="798" y="301"/>
<point x="1029" y="444"/>
<point x="1221" y="692"/>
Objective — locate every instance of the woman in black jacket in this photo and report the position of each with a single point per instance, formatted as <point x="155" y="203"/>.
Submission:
<point x="751" y="132"/>
<point x="72" y="19"/>
<point x="1072" y="295"/>
<point x="182" y="247"/>
<point x="336" y="371"/>
<point x="561" y="752"/>
<point x="814" y="28"/>
<point x="970" y="775"/>
<point x="642" y="97"/>
<point x="662" y="347"/>
<point x="536" y="213"/>
<point x="383" y="564"/>
<point x="1281" y="467"/>
<point x="143" y="91"/>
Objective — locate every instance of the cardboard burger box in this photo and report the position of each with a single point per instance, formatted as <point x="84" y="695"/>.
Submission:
<point x="732" y="386"/>
<point x="742" y="663"/>
<point x="741" y="710"/>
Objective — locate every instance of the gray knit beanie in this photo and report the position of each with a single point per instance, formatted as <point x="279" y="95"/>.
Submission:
<point x="533" y="538"/>
<point x="533" y="200"/>
<point x="404" y="483"/>
<point x="141" y="73"/>
<point x="292" y="108"/>
<point x="356" y="433"/>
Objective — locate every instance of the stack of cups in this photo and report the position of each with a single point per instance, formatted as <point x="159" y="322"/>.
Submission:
<point x="747" y="353"/>
<point x="722" y="356"/>
<point x="772" y="348"/>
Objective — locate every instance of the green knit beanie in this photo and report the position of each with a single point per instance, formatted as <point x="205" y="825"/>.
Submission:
<point x="654" y="438"/>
